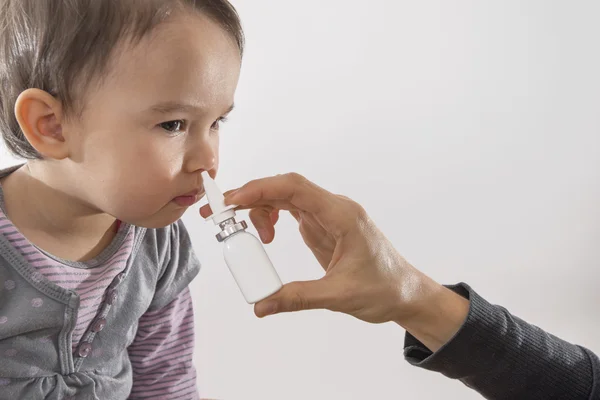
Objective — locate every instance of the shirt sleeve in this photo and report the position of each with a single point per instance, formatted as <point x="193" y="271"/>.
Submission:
<point x="180" y="266"/>
<point x="503" y="357"/>
<point x="161" y="354"/>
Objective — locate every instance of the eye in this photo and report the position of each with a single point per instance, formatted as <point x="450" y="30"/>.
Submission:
<point x="217" y="124"/>
<point x="173" y="126"/>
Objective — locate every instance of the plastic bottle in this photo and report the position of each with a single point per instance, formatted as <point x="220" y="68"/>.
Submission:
<point x="243" y="252"/>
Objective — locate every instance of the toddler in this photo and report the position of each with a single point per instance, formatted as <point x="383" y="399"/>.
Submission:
<point x="116" y="106"/>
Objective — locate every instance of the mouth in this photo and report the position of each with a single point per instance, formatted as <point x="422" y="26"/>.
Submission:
<point x="189" y="198"/>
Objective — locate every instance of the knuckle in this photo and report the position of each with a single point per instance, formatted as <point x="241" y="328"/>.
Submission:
<point x="360" y="211"/>
<point x="296" y="177"/>
<point x="297" y="302"/>
<point x="357" y="210"/>
<point x="258" y="214"/>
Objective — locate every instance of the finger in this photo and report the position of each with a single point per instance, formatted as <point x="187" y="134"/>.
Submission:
<point x="275" y="204"/>
<point x="296" y="215"/>
<point x="274" y="216"/>
<point x="229" y="192"/>
<point x="261" y="219"/>
<point x="291" y="189"/>
<point x="297" y="296"/>
<point x="205" y="211"/>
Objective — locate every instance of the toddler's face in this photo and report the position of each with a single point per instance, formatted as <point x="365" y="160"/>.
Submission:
<point x="151" y="127"/>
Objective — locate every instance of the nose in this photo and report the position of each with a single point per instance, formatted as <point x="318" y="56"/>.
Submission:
<point x="201" y="156"/>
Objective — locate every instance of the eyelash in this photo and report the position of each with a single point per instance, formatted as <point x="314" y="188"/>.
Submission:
<point x="179" y="121"/>
<point x="183" y="124"/>
<point x="217" y="124"/>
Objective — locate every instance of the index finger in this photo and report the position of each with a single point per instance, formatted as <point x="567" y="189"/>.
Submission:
<point x="290" y="191"/>
<point x="206" y="211"/>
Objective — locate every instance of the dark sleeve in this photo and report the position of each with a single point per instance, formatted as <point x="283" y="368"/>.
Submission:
<point x="503" y="357"/>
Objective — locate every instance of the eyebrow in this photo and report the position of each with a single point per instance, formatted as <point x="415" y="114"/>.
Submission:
<point x="172" y="106"/>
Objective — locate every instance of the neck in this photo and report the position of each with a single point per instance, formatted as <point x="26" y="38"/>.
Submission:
<point x="53" y="219"/>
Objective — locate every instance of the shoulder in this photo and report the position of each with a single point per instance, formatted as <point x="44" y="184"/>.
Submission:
<point x="168" y="252"/>
<point x="159" y="244"/>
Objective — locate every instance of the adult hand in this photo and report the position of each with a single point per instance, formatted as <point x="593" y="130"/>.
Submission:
<point x="364" y="274"/>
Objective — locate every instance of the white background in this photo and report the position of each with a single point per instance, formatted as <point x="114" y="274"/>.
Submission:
<point x="470" y="131"/>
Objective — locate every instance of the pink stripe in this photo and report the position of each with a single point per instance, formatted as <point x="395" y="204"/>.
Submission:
<point x="186" y="374"/>
<point x="159" y="340"/>
<point x="164" y="383"/>
<point x="151" y="344"/>
<point x="76" y="272"/>
<point x="163" y="348"/>
<point x="161" y="354"/>
<point x="148" y="316"/>
<point x="94" y="289"/>
<point x="147" y="323"/>
<point x="125" y="251"/>
<point x="79" y="284"/>
<point x="179" y="343"/>
<point x="89" y="284"/>
<point x="174" y="318"/>
<point x="151" y="315"/>
<point x="92" y="298"/>
<point x="185" y="387"/>
<point x="184" y="390"/>
<point x="161" y="374"/>
<point x="158" y="312"/>
<point x="166" y="328"/>
<point x="163" y="360"/>
<point x="36" y="261"/>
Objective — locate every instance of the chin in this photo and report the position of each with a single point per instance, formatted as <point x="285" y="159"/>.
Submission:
<point x="158" y="220"/>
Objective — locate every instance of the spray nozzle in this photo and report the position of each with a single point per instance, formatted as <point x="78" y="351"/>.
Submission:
<point x="221" y="212"/>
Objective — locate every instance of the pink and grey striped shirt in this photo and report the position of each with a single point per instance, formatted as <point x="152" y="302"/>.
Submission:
<point x="161" y="353"/>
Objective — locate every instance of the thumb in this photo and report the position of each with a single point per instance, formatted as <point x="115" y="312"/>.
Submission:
<point x="296" y="296"/>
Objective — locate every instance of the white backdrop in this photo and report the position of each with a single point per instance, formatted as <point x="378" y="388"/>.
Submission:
<point x="470" y="130"/>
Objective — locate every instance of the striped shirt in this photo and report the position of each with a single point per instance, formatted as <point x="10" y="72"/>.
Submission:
<point x="161" y="354"/>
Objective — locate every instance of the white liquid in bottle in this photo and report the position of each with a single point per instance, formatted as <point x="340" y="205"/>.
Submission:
<point x="243" y="252"/>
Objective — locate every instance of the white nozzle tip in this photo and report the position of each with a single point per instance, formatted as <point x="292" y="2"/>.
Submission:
<point x="221" y="212"/>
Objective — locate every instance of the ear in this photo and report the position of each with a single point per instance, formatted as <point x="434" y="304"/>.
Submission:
<point x="39" y="115"/>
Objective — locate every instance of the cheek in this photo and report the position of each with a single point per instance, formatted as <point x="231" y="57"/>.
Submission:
<point x="216" y="148"/>
<point x="149" y="169"/>
<point x="130" y="171"/>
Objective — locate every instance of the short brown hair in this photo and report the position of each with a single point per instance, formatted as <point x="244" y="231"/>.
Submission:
<point x="51" y="44"/>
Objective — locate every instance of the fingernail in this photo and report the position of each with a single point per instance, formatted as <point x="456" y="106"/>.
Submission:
<point x="270" y="308"/>
<point x="263" y="234"/>
<point x="230" y="196"/>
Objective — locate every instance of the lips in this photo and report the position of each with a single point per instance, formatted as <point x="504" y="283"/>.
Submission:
<point x="189" y="198"/>
<point x="195" y="192"/>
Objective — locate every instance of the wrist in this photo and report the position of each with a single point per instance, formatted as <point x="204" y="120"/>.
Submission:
<point x="433" y="314"/>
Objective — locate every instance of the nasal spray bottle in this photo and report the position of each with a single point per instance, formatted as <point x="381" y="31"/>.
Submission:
<point x="244" y="253"/>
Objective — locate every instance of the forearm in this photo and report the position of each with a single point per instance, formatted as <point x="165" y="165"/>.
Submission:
<point x="499" y="355"/>
<point x="438" y="314"/>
